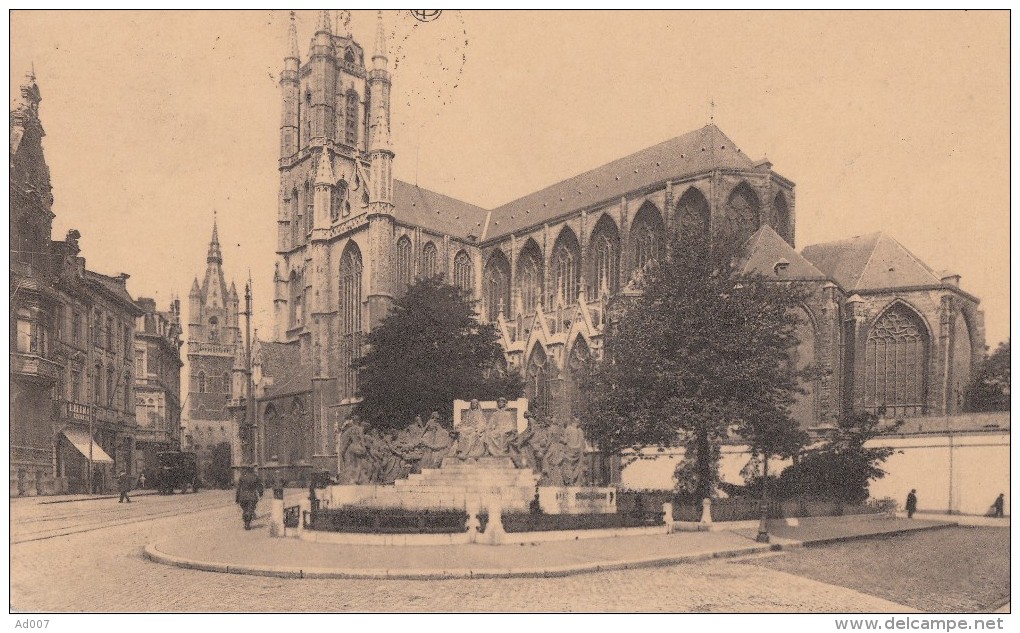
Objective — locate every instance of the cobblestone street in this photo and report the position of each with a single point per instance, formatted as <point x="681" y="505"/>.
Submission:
<point x="102" y="569"/>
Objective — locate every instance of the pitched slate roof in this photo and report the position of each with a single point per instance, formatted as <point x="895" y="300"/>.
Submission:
<point x="112" y="287"/>
<point x="282" y="362"/>
<point x="766" y="248"/>
<point x="421" y="207"/>
<point x="695" y="152"/>
<point x="870" y="262"/>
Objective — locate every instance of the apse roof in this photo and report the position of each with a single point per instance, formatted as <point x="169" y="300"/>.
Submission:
<point x="765" y="249"/>
<point x="871" y="262"/>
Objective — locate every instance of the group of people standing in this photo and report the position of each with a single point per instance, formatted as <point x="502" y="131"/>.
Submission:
<point x="370" y="456"/>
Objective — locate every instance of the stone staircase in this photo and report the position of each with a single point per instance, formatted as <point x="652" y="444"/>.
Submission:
<point x="455" y="485"/>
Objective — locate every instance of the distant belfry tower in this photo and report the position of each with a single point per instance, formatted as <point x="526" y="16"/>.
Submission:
<point x="335" y="226"/>
<point x="213" y="340"/>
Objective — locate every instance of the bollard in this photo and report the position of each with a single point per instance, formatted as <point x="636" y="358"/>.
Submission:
<point x="276" y="513"/>
<point x="494" y="528"/>
<point x="667" y="516"/>
<point x="706" y="511"/>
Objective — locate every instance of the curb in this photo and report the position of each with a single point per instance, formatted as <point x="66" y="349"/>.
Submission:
<point x="153" y="554"/>
<point x="860" y="537"/>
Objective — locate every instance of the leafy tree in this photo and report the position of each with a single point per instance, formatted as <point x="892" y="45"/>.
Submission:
<point x="989" y="389"/>
<point x="704" y="351"/>
<point x="842" y="468"/>
<point x="430" y="350"/>
<point x="218" y="473"/>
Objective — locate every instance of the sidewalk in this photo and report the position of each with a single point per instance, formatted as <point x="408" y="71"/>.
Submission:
<point x="232" y="550"/>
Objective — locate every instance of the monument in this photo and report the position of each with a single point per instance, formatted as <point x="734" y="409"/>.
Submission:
<point x="498" y="458"/>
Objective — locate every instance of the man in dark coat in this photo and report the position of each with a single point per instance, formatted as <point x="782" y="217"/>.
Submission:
<point x="249" y="491"/>
<point x="911" y="503"/>
<point x="997" y="507"/>
<point x="124" y="485"/>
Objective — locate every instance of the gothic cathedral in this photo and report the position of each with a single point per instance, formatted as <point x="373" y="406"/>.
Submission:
<point x="885" y="332"/>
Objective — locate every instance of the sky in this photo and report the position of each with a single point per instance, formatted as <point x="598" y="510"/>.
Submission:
<point x="891" y="121"/>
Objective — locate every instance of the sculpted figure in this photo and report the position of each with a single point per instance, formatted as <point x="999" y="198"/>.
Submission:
<point x="435" y="443"/>
<point x="501" y="426"/>
<point x="470" y="433"/>
<point x="554" y="457"/>
<point x="407" y="444"/>
<point x="573" y="460"/>
<point x="522" y="450"/>
<point x="355" y="455"/>
<point x="389" y="464"/>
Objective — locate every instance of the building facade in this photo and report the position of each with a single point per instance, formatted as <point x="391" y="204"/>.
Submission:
<point x="883" y="331"/>
<point x="157" y="357"/>
<point x="72" y="338"/>
<point x="214" y="343"/>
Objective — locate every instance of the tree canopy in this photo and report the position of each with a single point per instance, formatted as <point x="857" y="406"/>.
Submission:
<point x="842" y="468"/>
<point x="428" y="351"/>
<point x="989" y="389"/>
<point x="703" y="351"/>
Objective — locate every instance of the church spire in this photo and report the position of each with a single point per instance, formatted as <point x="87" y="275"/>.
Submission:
<point x="292" y="45"/>
<point x="214" y="245"/>
<point x="379" y="59"/>
<point x="323" y="25"/>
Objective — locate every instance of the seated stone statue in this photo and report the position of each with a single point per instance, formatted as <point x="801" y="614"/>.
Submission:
<point x="435" y="443"/>
<point x="407" y="443"/>
<point x="471" y="433"/>
<point x="522" y="451"/>
<point x="500" y="427"/>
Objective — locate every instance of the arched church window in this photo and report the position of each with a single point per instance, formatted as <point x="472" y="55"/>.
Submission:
<point x="647" y="236"/>
<point x="539" y="378"/>
<point x="605" y="258"/>
<point x="226" y="382"/>
<point x="463" y="273"/>
<point x="296" y="299"/>
<point x="693" y="215"/>
<point x="566" y="269"/>
<point x="214" y="330"/>
<point x="309" y="208"/>
<point x="529" y="275"/>
<point x="405" y="264"/>
<point x="429" y="263"/>
<point x="351" y="119"/>
<point x="779" y="216"/>
<point x="895" y="380"/>
<point x="295" y="217"/>
<point x="742" y="212"/>
<point x="350" y="319"/>
<point x="576" y="362"/>
<point x="349" y="56"/>
<point x="341" y="206"/>
<point x="496" y="293"/>
<point x="201" y="382"/>
<point x="307" y="117"/>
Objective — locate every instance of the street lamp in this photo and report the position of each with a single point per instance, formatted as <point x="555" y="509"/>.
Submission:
<point x="763" y="529"/>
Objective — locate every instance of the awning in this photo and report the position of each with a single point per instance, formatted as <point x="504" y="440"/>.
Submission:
<point x="81" y="441"/>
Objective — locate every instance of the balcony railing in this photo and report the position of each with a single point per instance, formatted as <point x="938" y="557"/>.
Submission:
<point x="36" y="366"/>
<point x="217" y="349"/>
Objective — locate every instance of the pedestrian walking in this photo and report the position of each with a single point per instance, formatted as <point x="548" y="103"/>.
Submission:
<point x="997" y="507"/>
<point x="124" y="485"/>
<point x="911" y="503"/>
<point x="249" y="491"/>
